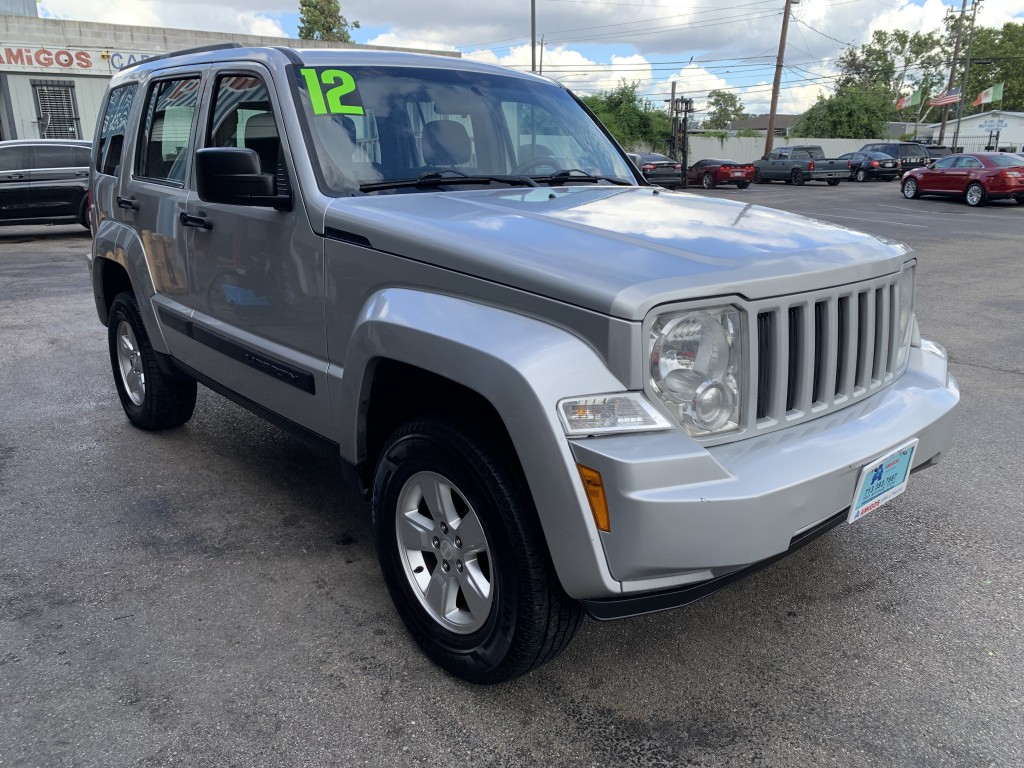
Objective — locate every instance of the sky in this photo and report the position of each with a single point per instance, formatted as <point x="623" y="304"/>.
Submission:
<point x="592" y="45"/>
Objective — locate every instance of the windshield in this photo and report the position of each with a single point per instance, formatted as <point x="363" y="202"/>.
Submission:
<point x="373" y="125"/>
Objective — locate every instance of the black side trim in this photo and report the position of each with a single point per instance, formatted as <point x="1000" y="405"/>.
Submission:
<point x="303" y="433"/>
<point x="259" y="361"/>
<point x="608" y="608"/>
<point x="346" y="237"/>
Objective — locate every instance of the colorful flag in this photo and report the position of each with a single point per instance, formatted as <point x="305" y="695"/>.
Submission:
<point x="995" y="93"/>
<point x="952" y="96"/>
<point x="910" y="101"/>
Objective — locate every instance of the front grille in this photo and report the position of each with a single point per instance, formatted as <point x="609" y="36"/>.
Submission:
<point x="814" y="353"/>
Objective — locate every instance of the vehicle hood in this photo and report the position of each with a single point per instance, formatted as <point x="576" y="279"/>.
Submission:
<point x="616" y="250"/>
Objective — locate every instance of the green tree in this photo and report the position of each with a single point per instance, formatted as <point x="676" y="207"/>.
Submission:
<point x="847" y="114"/>
<point x="723" y="108"/>
<point x="901" y="61"/>
<point x="322" y="20"/>
<point x="996" y="58"/>
<point x="630" y="118"/>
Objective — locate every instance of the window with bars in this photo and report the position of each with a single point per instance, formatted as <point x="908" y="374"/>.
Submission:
<point x="56" y="110"/>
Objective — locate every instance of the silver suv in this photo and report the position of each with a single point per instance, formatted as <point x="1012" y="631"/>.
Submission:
<point x="566" y="391"/>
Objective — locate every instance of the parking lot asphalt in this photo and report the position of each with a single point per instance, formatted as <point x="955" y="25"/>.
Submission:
<point x="210" y="595"/>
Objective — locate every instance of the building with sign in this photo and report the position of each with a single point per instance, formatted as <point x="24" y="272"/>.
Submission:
<point x="990" y="130"/>
<point x="53" y="73"/>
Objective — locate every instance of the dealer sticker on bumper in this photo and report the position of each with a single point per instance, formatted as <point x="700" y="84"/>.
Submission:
<point x="882" y="481"/>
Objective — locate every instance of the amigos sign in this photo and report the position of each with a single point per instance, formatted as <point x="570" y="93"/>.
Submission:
<point x="39" y="59"/>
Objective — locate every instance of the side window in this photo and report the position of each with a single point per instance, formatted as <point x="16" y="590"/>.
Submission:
<point x="52" y="156"/>
<point x="110" y="142"/>
<point x="166" y="130"/>
<point x="243" y="117"/>
<point x="80" y="156"/>
<point x="946" y="162"/>
<point x="13" y="159"/>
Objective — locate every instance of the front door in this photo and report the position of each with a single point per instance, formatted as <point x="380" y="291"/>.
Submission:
<point x="256" y="274"/>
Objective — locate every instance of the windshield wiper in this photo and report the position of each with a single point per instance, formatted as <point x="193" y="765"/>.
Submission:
<point x="575" y="174"/>
<point x="441" y="179"/>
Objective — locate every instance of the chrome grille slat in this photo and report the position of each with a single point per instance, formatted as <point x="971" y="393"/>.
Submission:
<point x="818" y="352"/>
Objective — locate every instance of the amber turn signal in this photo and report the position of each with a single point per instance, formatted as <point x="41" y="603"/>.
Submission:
<point x="594" y="487"/>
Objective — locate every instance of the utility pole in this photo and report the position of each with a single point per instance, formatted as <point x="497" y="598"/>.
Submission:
<point x="675" y="130"/>
<point x="685" y="162"/>
<point x="967" y="74"/>
<point x="533" y="35"/>
<point x="770" y="138"/>
<point x="952" y="69"/>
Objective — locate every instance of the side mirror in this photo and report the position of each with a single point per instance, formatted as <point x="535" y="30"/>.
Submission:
<point x="232" y="175"/>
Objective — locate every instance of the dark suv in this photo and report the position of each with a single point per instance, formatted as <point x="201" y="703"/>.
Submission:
<point x="909" y="153"/>
<point x="44" y="181"/>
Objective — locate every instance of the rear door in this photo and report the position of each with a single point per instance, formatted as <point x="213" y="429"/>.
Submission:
<point x="58" y="181"/>
<point x="14" y="182"/>
<point x="152" y="200"/>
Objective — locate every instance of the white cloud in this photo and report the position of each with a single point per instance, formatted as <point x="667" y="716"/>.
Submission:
<point x="245" y="18"/>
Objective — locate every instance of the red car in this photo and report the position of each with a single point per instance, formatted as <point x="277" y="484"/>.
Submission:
<point x="977" y="177"/>
<point x="710" y="173"/>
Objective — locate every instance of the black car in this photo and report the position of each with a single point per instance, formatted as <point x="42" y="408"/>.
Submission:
<point x="872" y="165"/>
<point x="662" y="170"/>
<point x="911" y="154"/>
<point x="44" y="181"/>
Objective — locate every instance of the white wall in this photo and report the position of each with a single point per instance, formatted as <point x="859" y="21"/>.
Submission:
<point x="746" y="150"/>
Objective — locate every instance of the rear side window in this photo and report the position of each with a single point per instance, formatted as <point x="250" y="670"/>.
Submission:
<point x="113" y="126"/>
<point x="52" y="156"/>
<point x="167" y="130"/>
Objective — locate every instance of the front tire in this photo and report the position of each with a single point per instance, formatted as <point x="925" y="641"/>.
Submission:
<point x="707" y="181"/>
<point x="910" y="189"/>
<point x="151" y="398"/>
<point x="463" y="557"/>
<point x="975" y="195"/>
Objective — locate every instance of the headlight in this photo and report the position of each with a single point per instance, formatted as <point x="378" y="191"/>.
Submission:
<point x="696" y="368"/>
<point x="906" y="327"/>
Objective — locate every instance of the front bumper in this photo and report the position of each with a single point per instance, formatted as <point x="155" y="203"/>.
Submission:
<point x="682" y="514"/>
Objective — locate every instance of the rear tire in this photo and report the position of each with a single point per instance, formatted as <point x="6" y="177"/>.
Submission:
<point x="463" y="556"/>
<point x="861" y="175"/>
<point x="758" y="178"/>
<point x="742" y="184"/>
<point x="152" y="399"/>
<point x="974" y="195"/>
<point x="833" y="182"/>
<point x="797" y="177"/>
<point x="707" y="181"/>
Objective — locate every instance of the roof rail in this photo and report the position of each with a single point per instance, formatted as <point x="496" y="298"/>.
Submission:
<point x="185" y="51"/>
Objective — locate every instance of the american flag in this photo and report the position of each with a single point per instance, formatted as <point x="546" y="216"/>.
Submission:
<point x="952" y="96"/>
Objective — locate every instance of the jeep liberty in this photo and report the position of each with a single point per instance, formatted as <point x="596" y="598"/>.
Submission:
<point x="566" y="392"/>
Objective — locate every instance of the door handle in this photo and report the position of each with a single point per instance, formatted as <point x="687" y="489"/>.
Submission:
<point x="130" y="203"/>
<point x="81" y="173"/>
<point x="199" y="221"/>
<point x="15" y="176"/>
